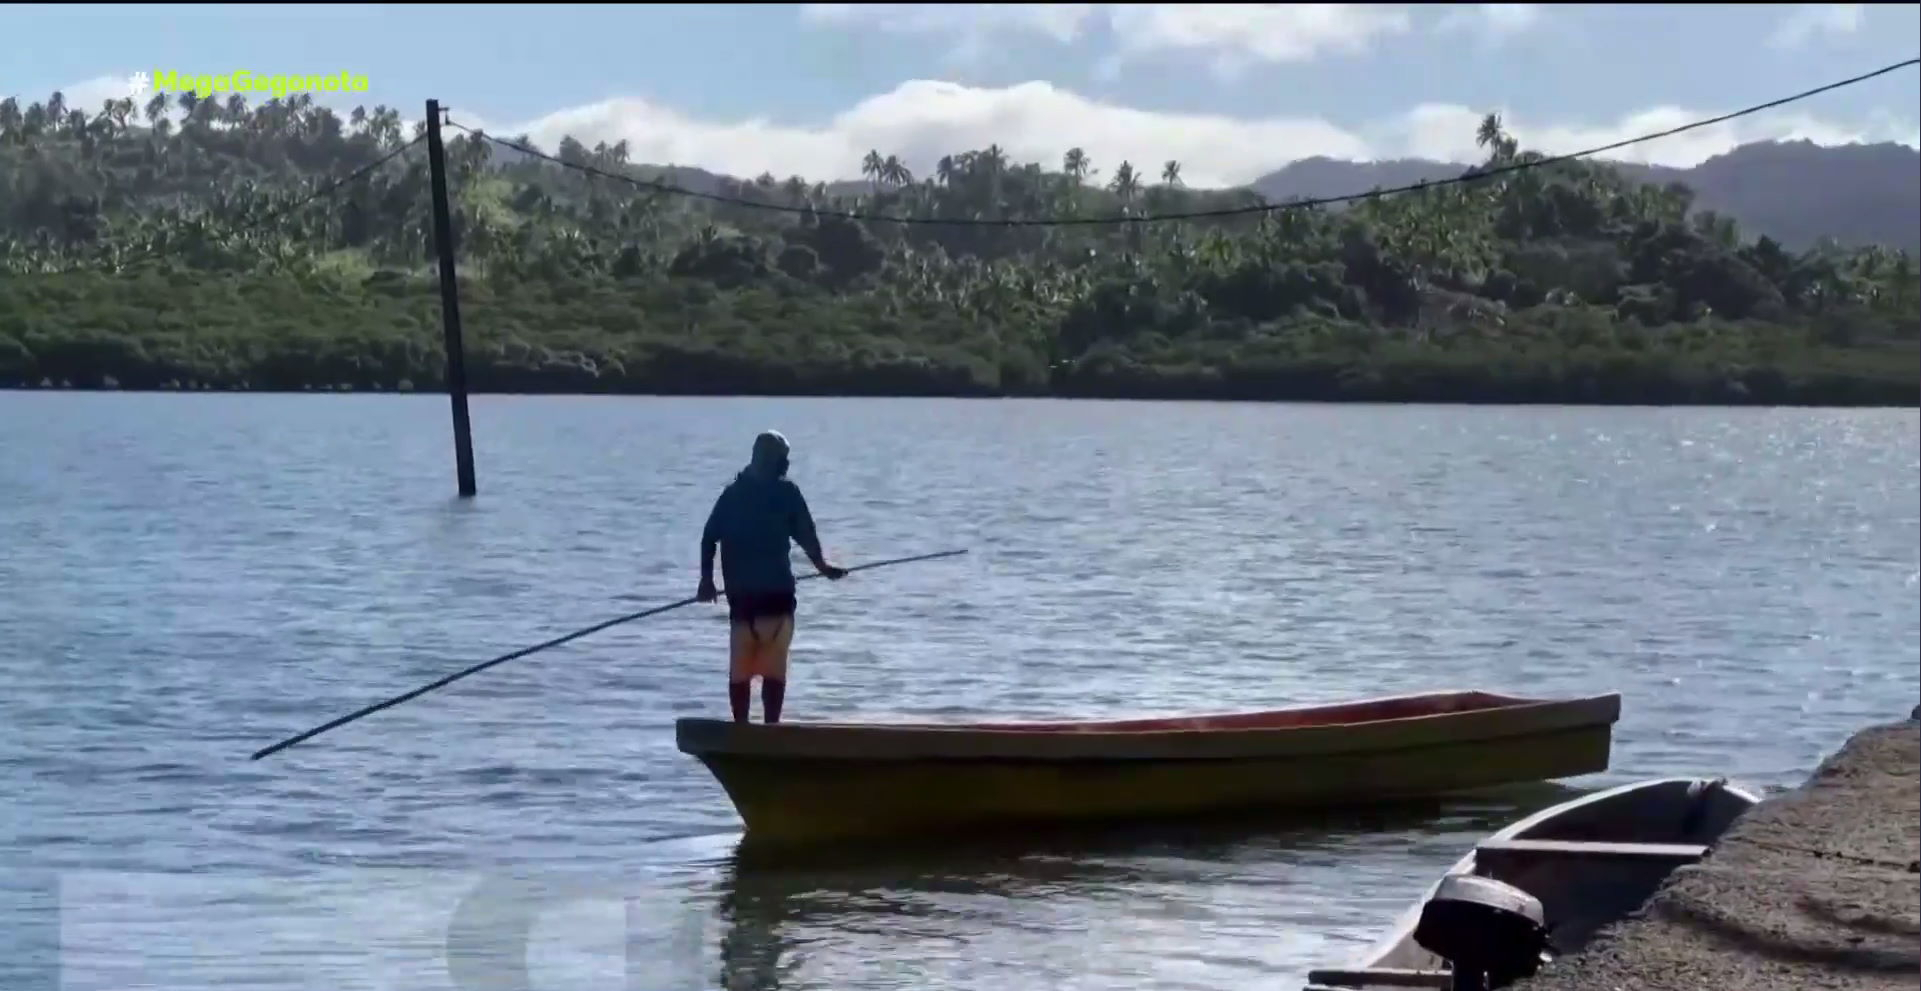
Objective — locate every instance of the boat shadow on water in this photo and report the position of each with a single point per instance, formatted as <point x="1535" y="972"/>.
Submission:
<point x="774" y="903"/>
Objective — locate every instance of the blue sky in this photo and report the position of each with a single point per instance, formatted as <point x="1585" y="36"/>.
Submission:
<point x="1232" y="90"/>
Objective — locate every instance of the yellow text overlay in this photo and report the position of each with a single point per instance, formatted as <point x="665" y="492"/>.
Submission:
<point x="247" y="81"/>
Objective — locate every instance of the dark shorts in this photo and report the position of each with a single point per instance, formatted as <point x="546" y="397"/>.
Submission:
<point x="749" y="606"/>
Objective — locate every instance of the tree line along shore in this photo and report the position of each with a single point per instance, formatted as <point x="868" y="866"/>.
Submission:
<point x="138" y="253"/>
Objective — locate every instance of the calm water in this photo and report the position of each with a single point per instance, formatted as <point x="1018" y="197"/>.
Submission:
<point x="187" y="578"/>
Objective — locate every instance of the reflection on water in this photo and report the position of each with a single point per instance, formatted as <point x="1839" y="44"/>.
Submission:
<point x="825" y="918"/>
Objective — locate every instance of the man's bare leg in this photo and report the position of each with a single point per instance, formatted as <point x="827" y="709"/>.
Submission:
<point x="742" y="662"/>
<point x="776" y="635"/>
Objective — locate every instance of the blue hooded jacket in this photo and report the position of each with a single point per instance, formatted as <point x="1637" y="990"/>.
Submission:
<point x="753" y="520"/>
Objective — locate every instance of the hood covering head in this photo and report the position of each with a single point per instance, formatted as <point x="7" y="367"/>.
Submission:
<point x="770" y="456"/>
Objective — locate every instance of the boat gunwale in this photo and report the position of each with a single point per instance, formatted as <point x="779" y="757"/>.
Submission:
<point x="894" y="742"/>
<point x="1083" y="760"/>
<point x="1173" y="724"/>
<point x="1402" y="929"/>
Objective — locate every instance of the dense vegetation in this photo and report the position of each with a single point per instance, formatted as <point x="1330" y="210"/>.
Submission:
<point x="1561" y="283"/>
<point x="1796" y="192"/>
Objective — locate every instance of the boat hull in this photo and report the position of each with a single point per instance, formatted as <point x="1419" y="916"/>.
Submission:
<point x="812" y="784"/>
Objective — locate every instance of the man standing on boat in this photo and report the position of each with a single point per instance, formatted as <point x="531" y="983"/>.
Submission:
<point x="751" y="523"/>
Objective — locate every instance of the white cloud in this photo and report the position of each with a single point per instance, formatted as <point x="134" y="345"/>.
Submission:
<point x="1037" y="121"/>
<point x="1809" y="21"/>
<point x="970" y="27"/>
<point x="89" y="94"/>
<point x="1231" y="34"/>
<point x="922" y="120"/>
<point x="1062" y="22"/>
<point x="1265" y="32"/>
<point x="1493" y="22"/>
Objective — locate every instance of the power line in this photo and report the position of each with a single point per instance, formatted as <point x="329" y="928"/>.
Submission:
<point x="1475" y="175"/>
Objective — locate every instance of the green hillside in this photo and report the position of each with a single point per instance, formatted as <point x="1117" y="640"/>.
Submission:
<point x="1562" y="283"/>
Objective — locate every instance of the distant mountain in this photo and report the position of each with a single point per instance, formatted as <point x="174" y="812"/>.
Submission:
<point x="1796" y="192"/>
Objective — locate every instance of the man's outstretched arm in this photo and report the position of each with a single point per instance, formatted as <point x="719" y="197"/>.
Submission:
<point x="709" y="542"/>
<point x="806" y="536"/>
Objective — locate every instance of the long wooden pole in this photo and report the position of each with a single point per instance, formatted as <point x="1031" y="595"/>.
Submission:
<point x="450" y="306"/>
<point x="524" y="651"/>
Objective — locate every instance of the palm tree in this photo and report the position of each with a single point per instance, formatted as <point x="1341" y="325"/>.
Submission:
<point x="470" y="154"/>
<point x="1076" y="164"/>
<point x="1171" y="174"/>
<point x="384" y="125"/>
<point x="894" y="173"/>
<point x="32" y="121"/>
<point x="871" y="166"/>
<point x="1491" y="136"/>
<point x="326" y="124"/>
<point x="1489" y="133"/>
<point x="993" y="163"/>
<point x="1125" y="184"/>
<point x="994" y="160"/>
<point x="1901" y="280"/>
<point x="1718" y="229"/>
<point x="156" y="108"/>
<point x="113" y="116"/>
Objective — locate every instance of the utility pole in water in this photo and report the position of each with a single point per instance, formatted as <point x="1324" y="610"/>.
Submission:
<point x="450" y="305"/>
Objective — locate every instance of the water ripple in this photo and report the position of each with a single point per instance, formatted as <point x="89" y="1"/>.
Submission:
<point x="188" y="578"/>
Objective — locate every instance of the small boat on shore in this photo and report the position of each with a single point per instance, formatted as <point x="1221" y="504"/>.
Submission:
<point x="814" y="782"/>
<point x="1544" y="886"/>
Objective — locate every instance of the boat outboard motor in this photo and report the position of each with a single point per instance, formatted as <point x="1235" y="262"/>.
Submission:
<point x="1701" y="796"/>
<point x="1493" y="934"/>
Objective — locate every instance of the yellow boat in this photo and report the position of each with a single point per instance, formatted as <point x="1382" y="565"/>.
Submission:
<point x="817" y="782"/>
